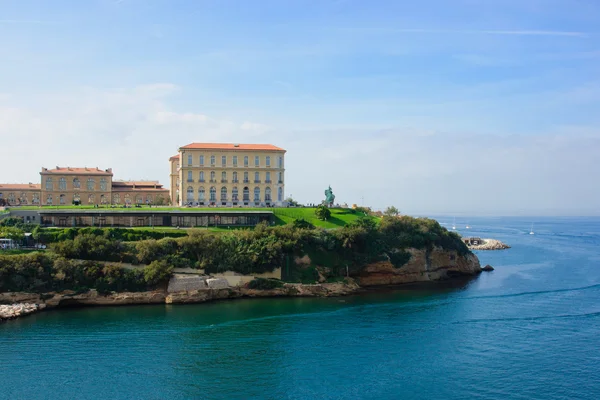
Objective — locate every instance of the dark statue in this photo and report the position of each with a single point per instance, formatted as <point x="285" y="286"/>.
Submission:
<point x="329" y="197"/>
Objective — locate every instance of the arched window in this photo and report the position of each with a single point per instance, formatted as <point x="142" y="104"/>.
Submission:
<point x="102" y="199"/>
<point x="256" y="177"/>
<point x="49" y="199"/>
<point x="245" y="177"/>
<point x="268" y="161"/>
<point x="256" y="194"/>
<point x="149" y="199"/>
<point x="246" y="194"/>
<point x="76" y="198"/>
<point x="190" y="194"/>
<point x="116" y="198"/>
<point x="223" y="177"/>
<point x="61" y="199"/>
<point x="212" y="176"/>
<point x="36" y="198"/>
<point x="235" y="179"/>
<point x="268" y="194"/>
<point x="127" y="199"/>
<point x="76" y="183"/>
<point x="234" y="194"/>
<point x="223" y="193"/>
<point x="213" y="194"/>
<point x="245" y="161"/>
<point x="91" y="199"/>
<point x="49" y="184"/>
<point x="139" y="199"/>
<point x="11" y="198"/>
<point x="201" y="194"/>
<point x="23" y="198"/>
<point x="91" y="184"/>
<point x="62" y="184"/>
<point x="201" y="176"/>
<point x="103" y="184"/>
<point x="279" y="194"/>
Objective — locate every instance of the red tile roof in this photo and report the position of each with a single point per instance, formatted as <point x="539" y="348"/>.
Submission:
<point x="175" y="157"/>
<point x="139" y="189"/>
<point x="231" y="146"/>
<point x="77" y="171"/>
<point x="20" y="186"/>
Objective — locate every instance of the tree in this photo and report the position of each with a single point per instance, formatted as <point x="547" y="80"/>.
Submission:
<point x="292" y="202"/>
<point x="323" y="213"/>
<point x="391" y="211"/>
<point x="9" y="232"/>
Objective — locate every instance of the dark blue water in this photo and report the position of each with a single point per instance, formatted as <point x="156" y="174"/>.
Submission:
<point x="528" y="330"/>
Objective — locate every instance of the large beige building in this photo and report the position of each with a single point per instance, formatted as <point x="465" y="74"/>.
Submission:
<point x="228" y="175"/>
<point x="88" y="186"/>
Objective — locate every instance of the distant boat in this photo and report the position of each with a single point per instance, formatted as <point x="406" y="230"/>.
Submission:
<point x="467" y="227"/>
<point x="454" y="224"/>
<point x="531" y="230"/>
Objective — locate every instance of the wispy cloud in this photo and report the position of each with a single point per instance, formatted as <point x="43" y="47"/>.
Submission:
<point x="25" y="21"/>
<point x="522" y="32"/>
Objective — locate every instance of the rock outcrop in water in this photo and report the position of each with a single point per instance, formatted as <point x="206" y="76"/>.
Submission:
<point x="489" y="244"/>
<point x="18" y="310"/>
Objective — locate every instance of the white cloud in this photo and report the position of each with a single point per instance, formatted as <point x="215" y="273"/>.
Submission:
<point x="136" y="130"/>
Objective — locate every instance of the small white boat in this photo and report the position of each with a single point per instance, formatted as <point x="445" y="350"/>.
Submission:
<point x="467" y="227"/>
<point x="454" y="224"/>
<point x="531" y="230"/>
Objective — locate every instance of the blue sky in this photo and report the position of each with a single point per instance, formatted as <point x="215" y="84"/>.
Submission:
<point x="453" y="107"/>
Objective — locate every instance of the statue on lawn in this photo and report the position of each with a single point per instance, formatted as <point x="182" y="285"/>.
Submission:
<point x="329" y="197"/>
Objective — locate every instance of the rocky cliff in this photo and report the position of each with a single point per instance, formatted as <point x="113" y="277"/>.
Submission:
<point x="424" y="265"/>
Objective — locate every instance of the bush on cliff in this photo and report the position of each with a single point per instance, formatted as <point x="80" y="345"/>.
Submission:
<point x="264" y="284"/>
<point x="43" y="272"/>
<point x="156" y="272"/>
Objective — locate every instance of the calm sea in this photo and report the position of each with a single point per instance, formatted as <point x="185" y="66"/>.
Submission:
<point x="528" y="330"/>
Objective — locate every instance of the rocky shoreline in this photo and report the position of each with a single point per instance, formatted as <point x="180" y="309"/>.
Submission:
<point x="19" y="310"/>
<point x="489" y="244"/>
<point x="425" y="265"/>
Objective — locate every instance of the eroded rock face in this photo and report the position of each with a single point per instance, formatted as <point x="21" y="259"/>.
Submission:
<point x="423" y="266"/>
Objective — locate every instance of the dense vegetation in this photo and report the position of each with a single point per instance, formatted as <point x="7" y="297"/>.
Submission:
<point x="41" y="272"/>
<point x="77" y="254"/>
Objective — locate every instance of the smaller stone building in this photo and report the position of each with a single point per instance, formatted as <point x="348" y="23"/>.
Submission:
<point x="86" y="186"/>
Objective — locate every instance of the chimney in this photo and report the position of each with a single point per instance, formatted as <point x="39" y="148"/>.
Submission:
<point x="57" y="167"/>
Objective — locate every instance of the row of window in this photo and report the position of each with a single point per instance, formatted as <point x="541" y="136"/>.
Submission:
<point x="62" y="184"/>
<point x="116" y="199"/>
<point x="234" y="194"/>
<point x="21" y="199"/>
<point x="213" y="177"/>
<point x="234" y="160"/>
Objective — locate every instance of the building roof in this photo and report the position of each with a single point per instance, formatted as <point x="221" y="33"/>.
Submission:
<point x="20" y="186"/>
<point x="175" y="157"/>
<point x="231" y="146"/>
<point x="77" y="171"/>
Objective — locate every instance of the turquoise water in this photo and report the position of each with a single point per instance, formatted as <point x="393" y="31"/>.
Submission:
<point x="528" y="330"/>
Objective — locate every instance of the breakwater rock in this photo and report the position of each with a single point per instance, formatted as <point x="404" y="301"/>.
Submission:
<point x="489" y="244"/>
<point x="18" y="310"/>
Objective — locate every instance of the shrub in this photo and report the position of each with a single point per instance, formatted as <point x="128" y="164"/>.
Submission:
<point x="264" y="284"/>
<point x="323" y="213"/>
<point x="301" y="223"/>
<point x="157" y="272"/>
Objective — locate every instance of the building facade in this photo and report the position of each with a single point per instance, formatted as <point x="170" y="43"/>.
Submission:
<point x="228" y="175"/>
<point x="87" y="186"/>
